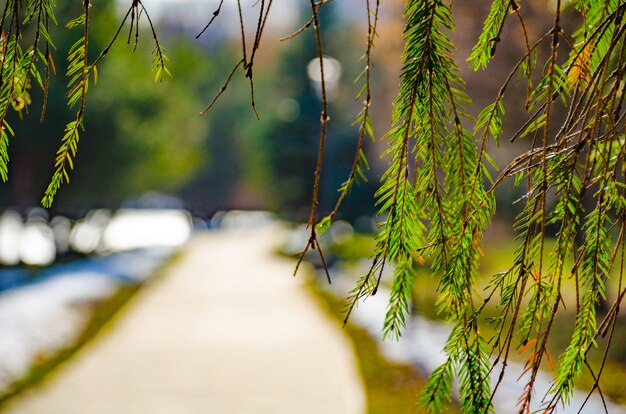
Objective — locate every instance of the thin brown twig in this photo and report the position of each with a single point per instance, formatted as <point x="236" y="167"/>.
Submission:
<point x="313" y="242"/>
<point x="215" y="14"/>
<point x="306" y="25"/>
<point x="223" y="88"/>
<point x="371" y="33"/>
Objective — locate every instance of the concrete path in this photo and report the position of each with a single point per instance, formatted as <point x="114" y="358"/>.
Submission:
<point x="226" y="330"/>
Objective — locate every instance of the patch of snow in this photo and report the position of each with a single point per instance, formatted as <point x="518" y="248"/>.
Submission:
<point x="38" y="320"/>
<point x="47" y="313"/>
<point x="422" y="345"/>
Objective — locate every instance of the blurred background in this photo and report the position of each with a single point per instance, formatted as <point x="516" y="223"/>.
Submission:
<point x="141" y="137"/>
<point x="151" y="172"/>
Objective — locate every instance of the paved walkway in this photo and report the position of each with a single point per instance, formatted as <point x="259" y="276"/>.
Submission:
<point x="226" y="330"/>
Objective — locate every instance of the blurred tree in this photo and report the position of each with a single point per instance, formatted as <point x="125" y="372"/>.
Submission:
<point x="153" y="136"/>
<point x="153" y="133"/>
<point x="285" y="143"/>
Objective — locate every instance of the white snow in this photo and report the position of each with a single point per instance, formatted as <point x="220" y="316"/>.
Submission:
<point x="40" y="318"/>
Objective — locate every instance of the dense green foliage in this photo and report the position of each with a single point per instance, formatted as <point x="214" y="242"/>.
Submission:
<point x="153" y="134"/>
<point x="436" y="198"/>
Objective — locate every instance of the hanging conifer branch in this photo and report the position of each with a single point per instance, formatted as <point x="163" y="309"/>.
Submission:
<point x="79" y="72"/>
<point x="12" y="77"/>
<point x="360" y="163"/>
<point x="555" y="164"/>
<point x="312" y="224"/>
<point x="247" y="60"/>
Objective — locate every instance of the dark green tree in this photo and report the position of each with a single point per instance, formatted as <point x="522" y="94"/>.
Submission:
<point x="152" y="133"/>
<point x="286" y="141"/>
